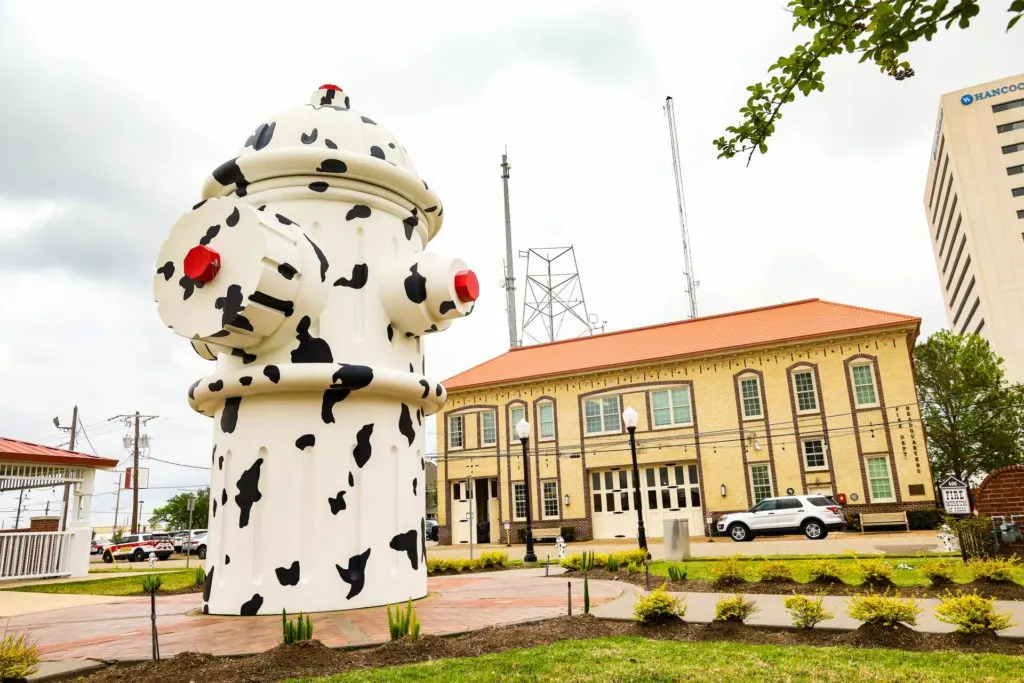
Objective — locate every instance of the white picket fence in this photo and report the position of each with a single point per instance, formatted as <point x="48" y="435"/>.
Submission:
<point x="34" y="554"/>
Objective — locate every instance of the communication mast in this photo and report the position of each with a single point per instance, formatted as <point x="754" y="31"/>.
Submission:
<point x="553" y="304"/>
<point x="691" y="284"/>
<point x="510" y="278"/>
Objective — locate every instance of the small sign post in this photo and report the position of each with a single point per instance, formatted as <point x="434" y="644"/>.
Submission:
<point x="188" y="539"/>
<point x="954" y="496"/>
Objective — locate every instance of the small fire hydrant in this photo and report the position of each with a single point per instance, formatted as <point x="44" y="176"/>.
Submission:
<point x="560" y="548"/>
<point x="152" y="560"/>
<point x="302" y="273"/>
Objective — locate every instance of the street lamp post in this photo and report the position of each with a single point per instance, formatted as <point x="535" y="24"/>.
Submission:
<point x="630" y="417"/>
<point x="523" y="432"/>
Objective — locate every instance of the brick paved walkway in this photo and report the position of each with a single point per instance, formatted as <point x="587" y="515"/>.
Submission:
<point x="120" y="630"/>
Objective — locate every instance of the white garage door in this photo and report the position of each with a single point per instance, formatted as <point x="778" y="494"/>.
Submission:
<point x="666" y="491"/>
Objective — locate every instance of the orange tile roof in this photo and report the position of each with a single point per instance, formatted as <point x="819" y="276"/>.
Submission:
<point x="12" y="450"/>
<point x="752" y="328"/>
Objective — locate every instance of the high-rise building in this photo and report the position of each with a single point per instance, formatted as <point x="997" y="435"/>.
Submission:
<point x="974" y="201"/>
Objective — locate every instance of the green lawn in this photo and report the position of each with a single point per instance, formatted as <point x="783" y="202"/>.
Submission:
<point x="704" y="569"/>
<point x="121" y="585"/>
<point x="140" y="568"/>
<point x="638" y="659"/>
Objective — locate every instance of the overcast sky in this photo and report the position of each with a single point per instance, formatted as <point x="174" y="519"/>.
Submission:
<point x="114" y="113"/>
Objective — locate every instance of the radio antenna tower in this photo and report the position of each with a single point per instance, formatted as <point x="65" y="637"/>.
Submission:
<point x="553" y="304"/>
<point x="510" y="277"/>
<point x="691" y="284"/>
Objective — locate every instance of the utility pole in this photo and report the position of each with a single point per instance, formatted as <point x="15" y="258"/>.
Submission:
<point x="17" y="517"/>
<point x="510" y="278"/>
<point x="71" y="446"/>
<point x="117" y="505"/>
<point x="138" y="421"/>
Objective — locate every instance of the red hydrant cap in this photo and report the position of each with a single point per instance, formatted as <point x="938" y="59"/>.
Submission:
<point x="329" y="86"/>
<point x="467" y="287"/>
<point x="202" y="263"/>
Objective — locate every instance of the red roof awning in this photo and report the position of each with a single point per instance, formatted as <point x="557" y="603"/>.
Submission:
<point x="12" y="450"/>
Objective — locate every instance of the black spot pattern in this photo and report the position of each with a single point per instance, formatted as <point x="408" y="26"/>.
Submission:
<point x="414" y="482"/>
<point x="447" y="306"/>
<point x="407" y="543"/>
<point x="228" y="173"/>
<point x="227" y="559"/>
<point x="368" y="120"/>
<point x="351" y="377"/>
<point x="391" y="145"/>
<point x="426" y="388"/>
<point x="410" y="223"/>
<point x="188" y="285"/>
<point x="211" y="232"/>
<point x="220" y="463"/>
<point x="327" y="97"/>
<point x="167" y="270"/>
<point x="248" y="492"/>
<point x="391" y="332"/>
<point x="305" y="441"/>
<point x="360" y="274"/>
<point x="284" y="219"/>
<point x="196" y="206"/>
<point x="221" y="333"/>
<point x="273" y="373"/>
<point x="287" y="271"/>
<point x="377" y="152"/>
<point x="251" y="607"/>
<point x="423" y="536"/>
<point x="405" y="424"/>
<point x="419" y="416"/>
<point x="217" y="386"/>
<point x="310" y="349"/>
<point x="438" y="390"/>
<point x="192" y="391"/>
<point x="330" y="144"/>
<point x="337" y="503"/>
<point x="288" y="576"/>
<point x="332" y="397"/>
<point x="246" y="357"/>
<point x="321" y="258"/>
<point x="232" y="219"/>
<point x="229" y="415"/>
<point x="351" y="479"/>
<point x="231" y="306"/>
<point x="332" y="166"/>
<point x="416" y="285"/>
<point x="208" y="584"/>
<point x="355" y="574"/>
<point x="223" y="496"/>
<point x="363" y="450"/>
<point x="319" y="186"/>
<point x="358" y="211"/>
<point x="215" y="507"/>
<point x="309" y="138"/>
<point x="262" y="136"/>
<point x="286" y="308"/>
<point x="245" y="381"/>
<point x="430" y="209"/>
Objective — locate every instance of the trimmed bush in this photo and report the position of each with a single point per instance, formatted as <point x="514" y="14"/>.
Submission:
<point x="638" y="556"/>
<point x="736" y="609"/>
<point x="658" y="606"/>
<point x="883" y="610"/>
<point x="492" y="558"/>
<point x="940" y="571"/>
<point x="612" y="564"/>
<point x="568" y="534"/>
<point x="875" y="572"/>
<point x="825" y="571"/>
<point x="18" y="657"/>
<point x="729" y="570"/>
<point x="676" y="573"/>
<point x="807" y="612"/>
<point x="774" y="570"/>
<point x="994" y="569"/>
<point x="972" y="613"/>
<point x="925" y="519"/>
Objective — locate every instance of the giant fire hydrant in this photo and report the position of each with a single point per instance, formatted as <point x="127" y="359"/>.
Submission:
<point x="302" y="273"/>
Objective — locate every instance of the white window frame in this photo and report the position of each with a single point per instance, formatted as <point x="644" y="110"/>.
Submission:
<point x="544" y="500"/>
<point x="512" y="422"/>
<point x="541" y="436"/>
<point x="753" y="487"/>
<point x="483" y="428"/>
<point x="814" y="392"/>
<point x="461" y="431"/>
<point x="617" y="414"/>
<point x="517" y="487"/>
<point x="743" y="406"/>
<point x="874" y="384"/>
<point x="672" y="408"/>
<point x="824" y="455"/>
<point x="888" y="469"/>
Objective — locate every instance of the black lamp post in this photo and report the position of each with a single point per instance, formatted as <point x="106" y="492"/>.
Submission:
<point x="630" y="417"/>
<point x="523" y="432"/>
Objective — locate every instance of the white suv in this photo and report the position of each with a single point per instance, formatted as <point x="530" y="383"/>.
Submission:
<point x="813" y="516"/>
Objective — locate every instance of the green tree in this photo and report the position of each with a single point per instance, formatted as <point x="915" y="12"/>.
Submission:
<point x="880" y="32"/>
<point x="174" y="514"/>
<point x="974" y="419"/>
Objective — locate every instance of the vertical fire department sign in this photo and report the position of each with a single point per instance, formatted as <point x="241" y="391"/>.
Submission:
<point x="954" y="497"/>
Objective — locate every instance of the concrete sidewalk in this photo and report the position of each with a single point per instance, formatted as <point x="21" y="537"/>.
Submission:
<point x="14" y="604"/>
<point x="700" y="609"/>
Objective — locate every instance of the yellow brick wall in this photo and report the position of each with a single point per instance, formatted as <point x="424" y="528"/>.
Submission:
<point x="723" y="436"/>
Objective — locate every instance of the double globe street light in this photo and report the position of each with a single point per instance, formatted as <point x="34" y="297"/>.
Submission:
<point x="523" y="432"/>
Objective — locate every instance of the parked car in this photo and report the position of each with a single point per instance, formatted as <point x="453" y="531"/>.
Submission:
<point x="197" y="544"/>
<point x="431" y="529"/>
<point x="813" y="516"/>
<point x="97" y="547"/>
<point x="137" y="547"/>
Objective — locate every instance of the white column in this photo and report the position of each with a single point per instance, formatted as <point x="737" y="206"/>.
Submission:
<point x="79" y="526"/>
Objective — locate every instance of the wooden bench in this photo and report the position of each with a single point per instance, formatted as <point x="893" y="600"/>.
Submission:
<point x="883" y="519"/>
<point x="547" y="534"/>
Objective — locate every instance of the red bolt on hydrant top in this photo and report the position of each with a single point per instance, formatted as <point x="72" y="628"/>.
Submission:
<point x="467" y="287"/>
<point x="202" y="263"/>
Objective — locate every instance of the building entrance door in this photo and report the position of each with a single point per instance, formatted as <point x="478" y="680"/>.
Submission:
<point x="475" y="510"/>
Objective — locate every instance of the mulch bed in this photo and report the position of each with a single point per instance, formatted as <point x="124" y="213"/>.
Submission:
<point x="999" y="591"/>
<point x="314" y="659"/>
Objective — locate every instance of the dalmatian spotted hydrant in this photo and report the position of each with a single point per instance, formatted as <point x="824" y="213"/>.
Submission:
<point x="303" y="274"/>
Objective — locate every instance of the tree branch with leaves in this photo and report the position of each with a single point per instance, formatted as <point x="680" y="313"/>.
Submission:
<point x="881" y="32"/>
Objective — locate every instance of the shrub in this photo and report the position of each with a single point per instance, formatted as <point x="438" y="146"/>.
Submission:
<point x="403" y="622"/>
<point x="568" y="534"/>
<point x="735" y="609"/>
<point x="774" y="570"/>
<point x="18" y="657"/>
<point x="658" y="606"/>
<point x="807" y="612"/>
<point x="883" y="610"/>
<point x="995" y="569"/>
<point x="637" y="556"/>
<point x="492" y="559"/>
<point x="613" y="564"/>
<point x="925" y="519"/>
<point x="200" y="576"/>
<point x="294" y="631"/>
<point x="940" y="571"/>
<point x="852" y="521"/>
<point x="572" y="562"/>
<point x="729" y="570"/>
<point x="825" y="571"/>
<point x="972" y="614"/>
<point x="875" y="571"/>
<point x="152" y="582"/>
<point x="975" y="536"/>
<point x="676" y="573"/>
